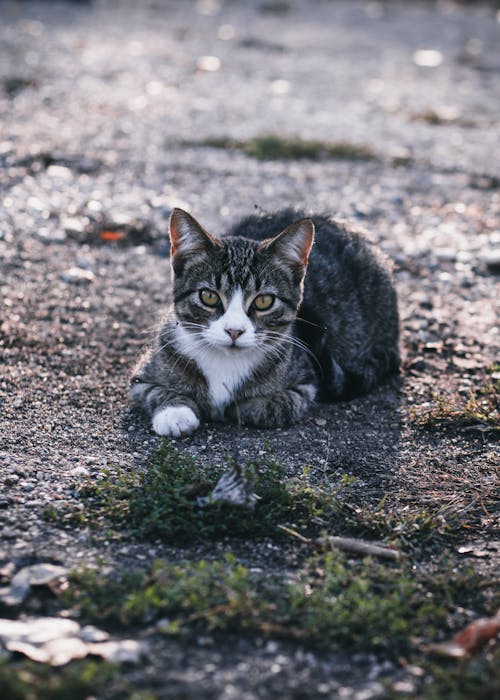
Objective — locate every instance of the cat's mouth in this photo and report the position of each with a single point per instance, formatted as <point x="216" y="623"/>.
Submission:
<point x="235" y="347"/>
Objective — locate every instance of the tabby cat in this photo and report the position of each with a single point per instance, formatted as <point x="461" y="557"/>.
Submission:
<point x="252" y="338"/>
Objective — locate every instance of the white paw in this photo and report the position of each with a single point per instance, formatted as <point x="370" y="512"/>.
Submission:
<point x="175" y="421"/>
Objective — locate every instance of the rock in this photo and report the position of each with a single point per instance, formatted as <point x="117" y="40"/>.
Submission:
<point x="36" y="575"/>
<point x="492" y="260"/>
<point x="57" y="641"/>
<point x="77" y="275"/>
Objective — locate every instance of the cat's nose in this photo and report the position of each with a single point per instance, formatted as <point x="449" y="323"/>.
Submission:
<point x="234" y="333"/>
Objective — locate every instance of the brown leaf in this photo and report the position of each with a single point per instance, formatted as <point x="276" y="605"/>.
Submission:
<point x="112" y="235"/>
<point x="470" y="639"/>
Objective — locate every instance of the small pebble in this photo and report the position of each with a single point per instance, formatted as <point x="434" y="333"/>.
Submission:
<point x="492" y="259"/>
<point x="79" y="471"/>
<point x="77" y="275"/>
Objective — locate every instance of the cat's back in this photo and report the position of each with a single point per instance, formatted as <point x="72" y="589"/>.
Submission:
<point x="336" y="250"/>
<point x="349" y="316"/>
<point x="331" y="238"/>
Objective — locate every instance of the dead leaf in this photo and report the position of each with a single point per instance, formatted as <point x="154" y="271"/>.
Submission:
<point x="56" y="641"/>
<point x="470" y="639"/>
<point x="56" y="652"/>
<point x="36" y="575"/>
<point x="112" y="236"/>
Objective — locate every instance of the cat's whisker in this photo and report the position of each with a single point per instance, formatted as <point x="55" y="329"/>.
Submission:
<point x="190" y="324"/>
<point x="292" y="340"/>
<point x="310" y="323"/>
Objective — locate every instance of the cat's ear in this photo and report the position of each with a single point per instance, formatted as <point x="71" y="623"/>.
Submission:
<point x="294" y="243"/>
<point x="187" y="236"/>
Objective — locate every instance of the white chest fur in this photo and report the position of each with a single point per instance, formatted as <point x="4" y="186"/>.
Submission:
<point x="224" y="368"/>
<point x="225" y="372"/>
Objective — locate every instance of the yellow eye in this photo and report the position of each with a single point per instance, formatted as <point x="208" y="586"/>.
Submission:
<point x="263" y="302"/>
<point x="209" y="298"/>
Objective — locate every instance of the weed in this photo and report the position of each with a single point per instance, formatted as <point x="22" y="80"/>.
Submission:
<point x="27" y="680"/>
<point x="330" y="602"/>
<point x="481" y="411"/>
<point x="274" y="147"/>
<point x="162" y="501"/>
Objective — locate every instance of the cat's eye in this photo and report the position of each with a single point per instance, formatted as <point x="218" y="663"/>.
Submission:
<point x="209" y="298"/>
<point x="263" y="302"/>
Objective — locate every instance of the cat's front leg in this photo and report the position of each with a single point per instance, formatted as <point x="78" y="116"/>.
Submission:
<point x="274" y="410"/>
<point x="171" y="415"/>
<point x="175" y="421"/>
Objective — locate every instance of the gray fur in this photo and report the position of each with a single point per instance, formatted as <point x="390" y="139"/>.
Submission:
<point x="349" y="315"/>
<point x="338" y="334"/>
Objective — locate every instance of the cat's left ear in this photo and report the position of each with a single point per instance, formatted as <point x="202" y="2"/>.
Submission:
<point x="294" y="243"/>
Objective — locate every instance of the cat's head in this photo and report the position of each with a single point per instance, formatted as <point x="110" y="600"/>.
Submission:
<point x="237" y="293"/>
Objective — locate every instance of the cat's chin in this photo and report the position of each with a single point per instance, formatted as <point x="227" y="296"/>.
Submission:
<point x="232" y="350"/>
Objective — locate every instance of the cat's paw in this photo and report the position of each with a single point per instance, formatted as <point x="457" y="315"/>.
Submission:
<point x="174" y="421"/>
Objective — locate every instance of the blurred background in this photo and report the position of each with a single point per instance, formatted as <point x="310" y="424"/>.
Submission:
<point x="122" y="110"/>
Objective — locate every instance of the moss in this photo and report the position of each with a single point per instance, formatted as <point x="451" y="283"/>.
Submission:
<point x="26" y="680"/>
<point x="330" y="602"/>
<point x="274" y="147"/>
<point x="162" y="501"/>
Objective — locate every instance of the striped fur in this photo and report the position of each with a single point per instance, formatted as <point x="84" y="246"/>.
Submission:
<point x="222" y="355"/>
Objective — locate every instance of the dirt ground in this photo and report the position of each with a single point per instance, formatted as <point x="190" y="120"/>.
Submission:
<point x="106" y="108"/>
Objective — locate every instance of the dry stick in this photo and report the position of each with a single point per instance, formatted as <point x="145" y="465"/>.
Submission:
<point x="347" y="544"/>
<point x="350" y="544"/>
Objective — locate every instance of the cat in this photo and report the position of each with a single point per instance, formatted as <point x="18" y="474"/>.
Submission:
<point x="252" y="338"/>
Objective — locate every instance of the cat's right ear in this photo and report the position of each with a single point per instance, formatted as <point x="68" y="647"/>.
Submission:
<point x="187" y="236"/>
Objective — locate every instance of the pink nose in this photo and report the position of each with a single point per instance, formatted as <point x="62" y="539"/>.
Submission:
<point x="234" y="333"/>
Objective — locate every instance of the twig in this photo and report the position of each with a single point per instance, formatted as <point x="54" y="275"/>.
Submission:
<point x="302" y="538"/>
<point x="350" y="544"/>
<point x="347" y="544"/>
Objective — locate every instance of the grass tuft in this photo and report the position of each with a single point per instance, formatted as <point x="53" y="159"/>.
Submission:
<point x="331" y="602"/>
<point x="162" y="501"/>
<point x="27" y="680"/>
<point x="481" y="411"/>
<point x="274" y="147"/>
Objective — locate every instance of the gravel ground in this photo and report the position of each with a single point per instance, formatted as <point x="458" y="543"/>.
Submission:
<point x="97" y="102"/>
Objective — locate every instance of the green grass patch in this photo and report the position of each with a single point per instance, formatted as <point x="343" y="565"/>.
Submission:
<point x="332" y="602"/>
<point x="161" y="502"/>
<point x="79" y="680"/>
<point x="274" y="147"/>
